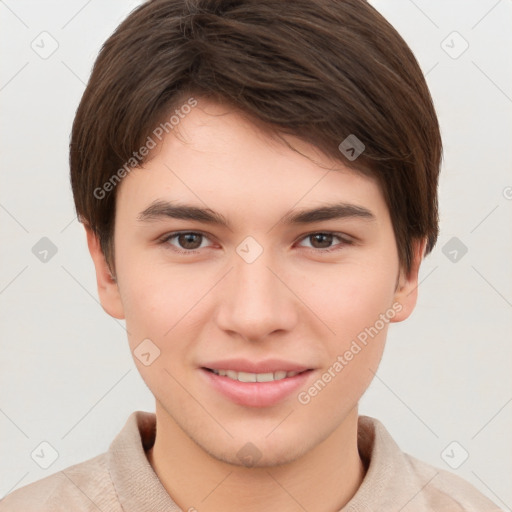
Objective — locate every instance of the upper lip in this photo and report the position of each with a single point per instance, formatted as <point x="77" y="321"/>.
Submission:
<point x="266" y="366"/>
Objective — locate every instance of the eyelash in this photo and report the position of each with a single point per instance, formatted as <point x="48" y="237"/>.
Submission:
<point x="344" y="241"/>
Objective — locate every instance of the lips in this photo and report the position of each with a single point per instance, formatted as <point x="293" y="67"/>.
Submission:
<point x="255" y="384"/>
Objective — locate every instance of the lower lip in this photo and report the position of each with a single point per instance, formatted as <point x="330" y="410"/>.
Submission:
<point x="256" y="394"/>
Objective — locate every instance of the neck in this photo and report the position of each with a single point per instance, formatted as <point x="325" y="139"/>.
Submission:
<point x="324" y="479"/>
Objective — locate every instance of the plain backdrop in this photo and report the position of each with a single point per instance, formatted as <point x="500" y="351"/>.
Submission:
<point x="67" y="378"/>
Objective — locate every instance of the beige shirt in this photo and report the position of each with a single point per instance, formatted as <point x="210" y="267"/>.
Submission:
<point x="122" y="480"/>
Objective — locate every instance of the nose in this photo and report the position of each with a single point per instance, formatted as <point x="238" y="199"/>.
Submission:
<point x="256" y="300"/>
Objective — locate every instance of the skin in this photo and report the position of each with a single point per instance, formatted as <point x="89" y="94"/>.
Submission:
<point x="294" y="302"/>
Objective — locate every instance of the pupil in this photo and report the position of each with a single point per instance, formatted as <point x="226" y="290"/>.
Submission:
<point x="187" y="241"/>
<point x="326" y="238"/>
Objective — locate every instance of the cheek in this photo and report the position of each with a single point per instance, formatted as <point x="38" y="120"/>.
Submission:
<point x="348" y="298"/>
<point x="154" y="302"/>
<point x="167" y="305"/>
<point x="156" y="310"/>
<point x="358" y="308"/>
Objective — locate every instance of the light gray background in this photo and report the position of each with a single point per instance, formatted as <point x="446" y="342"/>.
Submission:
<point x="66" y="374"/>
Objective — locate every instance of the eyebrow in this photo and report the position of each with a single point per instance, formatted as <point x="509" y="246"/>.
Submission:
<point x="160" y="209"/>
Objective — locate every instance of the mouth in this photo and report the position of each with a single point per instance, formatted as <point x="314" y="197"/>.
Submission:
<point x="255" y="377"/>
<point x="262" y="389"/>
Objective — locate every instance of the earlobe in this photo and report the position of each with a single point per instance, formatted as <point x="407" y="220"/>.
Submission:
<point x="108" y="289"/>
<point x="407" y="290"/>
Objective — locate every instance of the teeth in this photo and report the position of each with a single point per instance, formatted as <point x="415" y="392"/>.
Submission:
<point x="265" y="377"/>
<point x="247" y="377"/>
<point x="255" y="377"/>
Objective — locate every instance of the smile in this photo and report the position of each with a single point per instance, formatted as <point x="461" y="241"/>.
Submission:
<point x="254" y="377"/>
<point x="264" y="389"/>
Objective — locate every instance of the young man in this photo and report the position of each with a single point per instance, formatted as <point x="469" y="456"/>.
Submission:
<point x="258" y="183"/>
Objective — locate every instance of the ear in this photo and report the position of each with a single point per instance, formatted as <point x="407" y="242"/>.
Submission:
<point x="406" y="292"/>
<point x="108" y="289"/>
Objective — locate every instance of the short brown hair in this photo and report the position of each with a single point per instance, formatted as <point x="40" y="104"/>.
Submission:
<point x="317" y="69"/>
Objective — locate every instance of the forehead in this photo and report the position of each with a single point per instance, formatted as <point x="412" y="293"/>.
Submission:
<point x="219" y="157"/>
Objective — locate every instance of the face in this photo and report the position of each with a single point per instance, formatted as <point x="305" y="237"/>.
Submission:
<point x="252" y="287"/>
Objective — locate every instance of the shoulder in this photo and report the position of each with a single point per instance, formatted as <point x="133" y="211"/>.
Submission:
<point x="444" y="491"/>
<point x="395" y="480"/>
<point x="86" y="486"/>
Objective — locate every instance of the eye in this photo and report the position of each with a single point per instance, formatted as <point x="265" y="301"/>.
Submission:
<point x="187" y="240"/>
<point x="322" y="241"/>
<point x="191" y="241"/>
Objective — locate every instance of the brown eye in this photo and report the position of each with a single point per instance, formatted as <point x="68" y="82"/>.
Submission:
<point x="189" y="240"/>
<point x="326" y="242"/>
<point x="186" y="241"/>
<point x="321" y="240"/>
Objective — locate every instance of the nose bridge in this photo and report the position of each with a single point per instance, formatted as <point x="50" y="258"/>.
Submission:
<point x="254" y="301"/>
